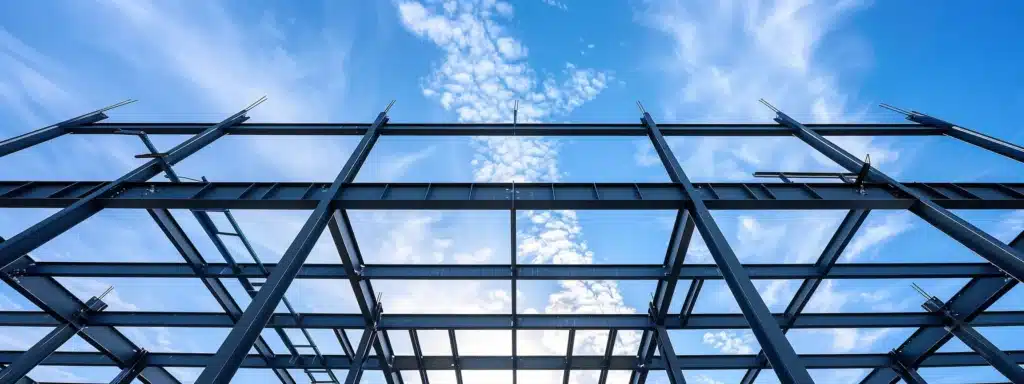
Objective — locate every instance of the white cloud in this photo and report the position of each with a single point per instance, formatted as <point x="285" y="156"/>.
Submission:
<point x="556" y="4"/>
<point x="730" y="342"/>
<point x="876" y="234"/>
<point x="483" y="73"/>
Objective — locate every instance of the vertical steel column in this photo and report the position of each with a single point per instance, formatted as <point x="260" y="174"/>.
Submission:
<point x="355" y="372"/>
<point x="668" y="354"/>
<point x="58" y="223"/>
<point x="999" y="360"/>
<point x="416" y="350"/>
<point x="979" y="139"/>
<point x="455" y="356"/>
<point x="229" y="356"/>
<point x="514" y="263"/>
<point x="675" y="255"/>
<point x="609" y="348"/>
<point x="45" y="134"/>
<point x="909" y="375"/>
<point x="568" y="357"/>
<point x="829" y="256"/>
<point x="1001" y="255"/>
<point x="57" y="337"/>
<point x="129" y="373"/>
<point x="780" y="353"/>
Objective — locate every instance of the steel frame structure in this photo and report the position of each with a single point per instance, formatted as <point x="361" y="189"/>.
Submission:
<point x="863" y="189"/>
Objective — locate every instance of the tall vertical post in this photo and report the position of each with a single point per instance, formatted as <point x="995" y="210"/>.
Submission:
<point x="45" y="134"/>
<point x="780" y="353"/>
<point x="996" y="252"/>
<point x="513" y="262"/>
<point x="53" y="340"/>
<point x="229" y="356"/>
<point x="58" y="223"/>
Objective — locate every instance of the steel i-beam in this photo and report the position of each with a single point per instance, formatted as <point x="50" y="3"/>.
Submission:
<point x="132" y="371"/>
<point x="780" y="353"/>
<point x="833" y="250"/>
<point x="968" y="304"/>
<point x="45" y="134"/>
<point x="979" y="139"/>
<point x="668" y="355"/>
<point x="61" y="305"/>
<point x="49" y="344"/>
<point x="996" y="252"/>
<point x="909" y="375"/>
<point x="352" y="261"/>
<point x="58" y="223"/>
<point x="966" y="333"/>
<point x="675" y="256"/>
<point x="355" y="373"/>
<point x="170" y="227"/>
<point x="231" y="353"/>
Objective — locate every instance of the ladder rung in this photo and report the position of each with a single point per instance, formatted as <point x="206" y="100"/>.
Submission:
<point x="302" y="346"/>
<point x="257" y="283"/>
<point x="227" y="233"/>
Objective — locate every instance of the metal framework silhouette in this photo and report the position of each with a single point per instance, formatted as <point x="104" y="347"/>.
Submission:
<point x="861" y="190"/>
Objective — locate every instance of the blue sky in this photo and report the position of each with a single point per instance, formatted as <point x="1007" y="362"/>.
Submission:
<point x="463" y="60"/>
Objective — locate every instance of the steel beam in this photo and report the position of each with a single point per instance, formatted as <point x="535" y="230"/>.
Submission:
<point x="829" y="256"/>
<point x="780" y="353"/>
<point x="675" y="256"/>
<point x="518" y="129"/>
<point x="129" y="373"/>
<point x="557" y="362"/>
<point x="672" y="368"/>
<point x="979" y="139"/>
<point x="62" y="307"/>
<point x="996" y="252"/>
<point x="976" y="341"/>
<point x="909" y="375"/>
<point x="502" y="196"/>
<point x="49" y="344"/>
<point x="532" y="272"/>
<point x="504" y="322"/>
<point x="92" y="201"/>
<point x="456" y="360"/>
<point x="195" y="261"/>
<point x="370" y="308"/>
<point x="247" y="330"/>
<point x="609" y="348"/>
<point x="45" y="134"/>
<point x="568" y="356"/>
<point x="970" y="304"/>
<point x="418" y="352"/>
<point x="355" y="372"/>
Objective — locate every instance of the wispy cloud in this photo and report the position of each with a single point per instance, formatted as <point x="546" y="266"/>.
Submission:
<point x="484" y="71"/>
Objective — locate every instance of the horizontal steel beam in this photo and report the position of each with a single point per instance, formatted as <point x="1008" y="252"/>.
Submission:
<point x="500" y="196"/>
<point x="525" y="272"/>
<point x="594" y="322"/>
<point x="508" y="129"/>
<point x="409" y="363"/>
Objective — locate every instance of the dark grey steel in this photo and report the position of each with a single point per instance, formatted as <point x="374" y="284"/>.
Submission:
<point x="780" y="353"/>
<point x="255" y="317"/>
<point x="506" y="196"/>
<point x="833" y="250"/>
<point x="557" y="362"/>
<point x="329" y="201"/>
<point x="996" y="252"/>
